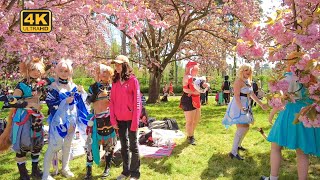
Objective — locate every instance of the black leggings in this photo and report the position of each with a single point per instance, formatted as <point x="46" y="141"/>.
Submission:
<point x="226" y="97"/>
<point x="109" y="154"/>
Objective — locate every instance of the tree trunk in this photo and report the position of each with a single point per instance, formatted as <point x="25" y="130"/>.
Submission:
<point x="123" y="44"/>
<point x="154" y="86"/>
<point x="234" y="66"/>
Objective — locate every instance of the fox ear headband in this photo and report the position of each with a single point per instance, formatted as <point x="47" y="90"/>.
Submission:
<point x="35" y="60"/>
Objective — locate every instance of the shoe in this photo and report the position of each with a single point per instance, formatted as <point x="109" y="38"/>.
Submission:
<point x="133" y="178"/>
<point x="122" y="177"/>
<point x="89" y="173"/>
<point x="36" y="172"/>
<point x="191" y="140"/>
<point x="67" y="173"/>
<point x="235" y="156"/>
<point x="48" y="178"/>
<point x="264" y="178"/>
<point x="241" y="148"/>
<point x="23" y="171"/>
<point x="106" y="173"/>
<point x="108" y="159"/>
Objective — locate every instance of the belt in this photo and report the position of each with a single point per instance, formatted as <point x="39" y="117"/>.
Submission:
<point x="243" y="95"/>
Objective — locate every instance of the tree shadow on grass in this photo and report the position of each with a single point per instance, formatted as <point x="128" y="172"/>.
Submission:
<point x="222" y="166"/>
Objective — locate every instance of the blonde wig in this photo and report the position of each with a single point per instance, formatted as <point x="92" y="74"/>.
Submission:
<point x="64" y="63"/>
<point x="102" y="68"/>
<point x="30" y="65"/>
<point x="241" y="70"/>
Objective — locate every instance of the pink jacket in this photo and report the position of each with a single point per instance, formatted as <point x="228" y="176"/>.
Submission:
<point x="125" y="102"/>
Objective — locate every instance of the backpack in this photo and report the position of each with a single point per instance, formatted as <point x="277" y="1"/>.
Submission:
<point x="166" y="123"/>
<point x="146" y="139"/>
<point x="171" y="123"/>
<point x="117" y="158"/>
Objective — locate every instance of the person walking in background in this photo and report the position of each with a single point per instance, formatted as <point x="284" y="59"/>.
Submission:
<point x="204" y="95"/>
<point x="171" y="89"/>
<point x="255" y="91"/>
<point x="207" y="93"/>
<point x="239" y="110"/>
<point x="125" y="109"/>
<point x="226" y="89"/>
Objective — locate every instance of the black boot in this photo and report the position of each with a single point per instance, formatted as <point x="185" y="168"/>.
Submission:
<point x="36" y="172"/>
<point x="235" y="156"/>
<point x="89" y="173"/>
<point x="108" y="159"/>
<point x="23" y="171"/>
<point x="191" y="140"/>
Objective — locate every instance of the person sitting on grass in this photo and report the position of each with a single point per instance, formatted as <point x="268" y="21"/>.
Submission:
<point x="143" y="99"/>
<point x="143" y="121"/>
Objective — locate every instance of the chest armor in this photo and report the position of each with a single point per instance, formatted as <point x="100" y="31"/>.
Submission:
<point x="102" y="102"/>
<point x="36" y="124"/>
<point x="104" y="126"/>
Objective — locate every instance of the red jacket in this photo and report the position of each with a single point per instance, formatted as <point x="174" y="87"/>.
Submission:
<point x="125" y="102"/>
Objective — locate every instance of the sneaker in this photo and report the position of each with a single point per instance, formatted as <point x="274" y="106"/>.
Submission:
<point x="48" y="178"/>
<point x="241" y="148"/>
<point x="191" y="140"/>
<point x="67" y="173"/>
<point x="122" y="177"/>
<point x="133" y="178"/>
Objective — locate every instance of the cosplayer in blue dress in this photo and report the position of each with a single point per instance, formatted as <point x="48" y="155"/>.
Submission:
<point x="63" y="119"/>
<point x="295" y="136"/>
<point x="234" y="115"/>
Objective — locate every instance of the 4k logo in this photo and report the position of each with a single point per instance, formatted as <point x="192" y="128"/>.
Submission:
<point x="35" y="21"/>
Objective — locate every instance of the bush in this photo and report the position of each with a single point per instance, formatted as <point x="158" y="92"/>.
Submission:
<point x="144" y="89"/>
<point x="85" y="82"/>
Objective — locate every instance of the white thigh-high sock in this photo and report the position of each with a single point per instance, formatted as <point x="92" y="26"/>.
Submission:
<point x="273" y="177"/>
<point x="237" y="139"/>
<point x="54" y="145"/>
<point x="66" y="150"/>
<point x="245" y="129"/>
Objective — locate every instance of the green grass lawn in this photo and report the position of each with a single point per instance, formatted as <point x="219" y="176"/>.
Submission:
<point x="207" y="160"/>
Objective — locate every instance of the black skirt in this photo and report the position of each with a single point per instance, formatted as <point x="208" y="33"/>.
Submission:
<point x="186" y="103"/>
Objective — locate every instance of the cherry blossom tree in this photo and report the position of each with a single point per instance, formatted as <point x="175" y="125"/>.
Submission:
<point x="163" y="30"/>
<point x="292" y="37"/>
<point x="183" y="30"/>
<point x="79" y="29"/>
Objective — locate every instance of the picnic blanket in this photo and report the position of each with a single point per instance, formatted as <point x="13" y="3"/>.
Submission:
<point x="163" y="143"/>
<point x="155" y="152"/>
